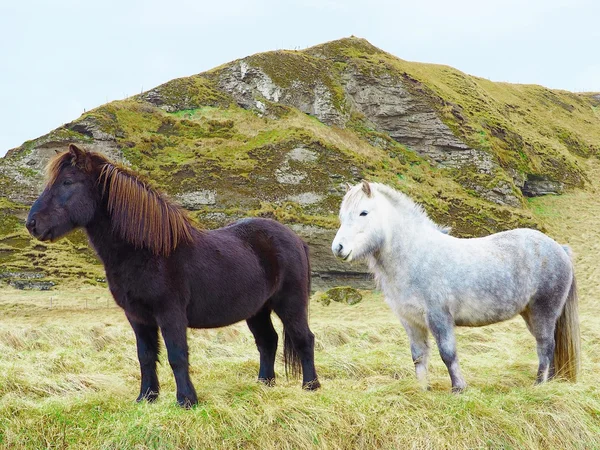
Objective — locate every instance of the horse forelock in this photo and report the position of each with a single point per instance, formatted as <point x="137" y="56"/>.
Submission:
<point x="352" y="199"/>
<point x="139" y="214"/>
<point x="56" y="165"/>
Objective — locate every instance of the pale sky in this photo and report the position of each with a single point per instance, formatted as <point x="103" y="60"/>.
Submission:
<point x="59" y="57"/>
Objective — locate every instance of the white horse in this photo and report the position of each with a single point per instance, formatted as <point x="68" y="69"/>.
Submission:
<point x="434" y="281"/>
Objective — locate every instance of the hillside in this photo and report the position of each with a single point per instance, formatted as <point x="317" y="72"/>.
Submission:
<point x="278" y="134"/>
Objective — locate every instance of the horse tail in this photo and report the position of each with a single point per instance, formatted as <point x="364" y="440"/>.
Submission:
<point x="309" y="271"/>
<point x="291" y="357"/>
<point x="567" y="336"/>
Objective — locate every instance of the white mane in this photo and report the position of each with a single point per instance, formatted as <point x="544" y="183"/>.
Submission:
<point x="396" y="198"/>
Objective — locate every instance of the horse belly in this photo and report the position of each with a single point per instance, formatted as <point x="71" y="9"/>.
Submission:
<point x="485" y="311"/>
<point x="216" y="319"/>
<point x="214" y="309"/>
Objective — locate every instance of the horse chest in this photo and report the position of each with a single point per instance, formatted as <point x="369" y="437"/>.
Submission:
<point x="140" y="287"/>
<point x="403" y="300"/>
<point x="137" y="295"/>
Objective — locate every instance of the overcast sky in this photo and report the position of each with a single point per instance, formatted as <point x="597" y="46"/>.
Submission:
<point x="59" y="57"/>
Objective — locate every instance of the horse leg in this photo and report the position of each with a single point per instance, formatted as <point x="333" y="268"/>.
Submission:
<point x="266" y="339"/>
<point x="441" y="325"/>
<point x="174" y="330"/>
<point x="294" y="315"/>
<point x="419" y="348"/>
<point x="146" y="337"/>
<point x="541" y="326"/>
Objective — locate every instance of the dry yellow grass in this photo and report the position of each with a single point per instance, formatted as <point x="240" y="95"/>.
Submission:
<point x="69" y="374"/>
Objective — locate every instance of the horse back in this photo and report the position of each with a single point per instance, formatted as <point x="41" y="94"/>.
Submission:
<point x="533" y="247"/>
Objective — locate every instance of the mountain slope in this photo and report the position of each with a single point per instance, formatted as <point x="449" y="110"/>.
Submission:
<point x="279" y="134"/>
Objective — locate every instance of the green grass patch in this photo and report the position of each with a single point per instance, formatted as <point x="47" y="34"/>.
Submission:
<point x="86" y="376"/>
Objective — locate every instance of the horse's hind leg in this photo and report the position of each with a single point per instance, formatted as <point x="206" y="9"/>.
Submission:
<point x="299" y="341"/>
<point x="419" y="348"/>
<point x="542" y="325"/>
<point x="441" y="325"/>
<point x="266" y="339"/>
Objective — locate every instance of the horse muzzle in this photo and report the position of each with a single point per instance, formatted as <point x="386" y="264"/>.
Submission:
<point x="38" y="231"/>
<point x="340" y="252"/>
<point x="346" y="257"/>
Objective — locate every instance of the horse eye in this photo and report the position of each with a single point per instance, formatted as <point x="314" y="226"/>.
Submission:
<point x="364" y="213"/>
<point x="67" y="182"/>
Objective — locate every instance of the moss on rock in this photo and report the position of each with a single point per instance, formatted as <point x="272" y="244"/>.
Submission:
<point x="340" y="294"/>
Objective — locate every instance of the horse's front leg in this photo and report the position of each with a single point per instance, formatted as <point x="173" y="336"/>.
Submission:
<point x="174" y="329"/>
<point x="146" y="337"/>
<point x="418" y="336"/>
<point x="441" y="325"/>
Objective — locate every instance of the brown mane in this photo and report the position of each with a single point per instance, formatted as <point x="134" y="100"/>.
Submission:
<point x="140" y="215"/>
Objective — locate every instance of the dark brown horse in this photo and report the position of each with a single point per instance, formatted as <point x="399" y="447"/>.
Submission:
<point x="167" y="274"/>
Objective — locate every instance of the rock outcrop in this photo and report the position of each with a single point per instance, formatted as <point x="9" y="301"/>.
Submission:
<point x="388" y="103"/>
<point x="536" y="187"/>
<point x="250" y="86"/>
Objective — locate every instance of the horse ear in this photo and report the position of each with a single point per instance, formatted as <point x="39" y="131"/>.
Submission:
<point x="79" y="157"/>
<point x="366" y="187"/>
<point x="348" y="186"/>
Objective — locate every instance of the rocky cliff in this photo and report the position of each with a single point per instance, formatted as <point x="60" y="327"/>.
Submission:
<point x="279" y="134"/>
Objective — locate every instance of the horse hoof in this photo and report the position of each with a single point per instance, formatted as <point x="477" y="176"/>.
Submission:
<point x="311" y="385"/>
<point x="267" y="381"/>
<point x="149" y="397"/>
<point x="187" y="403"/>
<point x="459" y="389"/>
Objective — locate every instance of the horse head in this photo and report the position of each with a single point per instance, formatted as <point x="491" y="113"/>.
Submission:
<point x="361" y="229"/>
<point x="69" y="199"/>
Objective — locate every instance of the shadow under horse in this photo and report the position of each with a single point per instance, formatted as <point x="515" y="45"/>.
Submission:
<point x="168" y="275"/>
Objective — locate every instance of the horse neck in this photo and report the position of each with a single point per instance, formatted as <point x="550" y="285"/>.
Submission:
<point x="409" y="236"/>
<point x="110" y="247"/>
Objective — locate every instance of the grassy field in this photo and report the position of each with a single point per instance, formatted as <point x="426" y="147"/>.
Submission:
<point x="69" y="375"/>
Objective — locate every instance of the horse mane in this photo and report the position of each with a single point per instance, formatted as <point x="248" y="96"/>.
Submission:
<point x="397" y="199"/>
<point x="139" y="214"/>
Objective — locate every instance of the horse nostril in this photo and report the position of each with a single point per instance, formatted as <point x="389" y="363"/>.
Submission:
<point x="340" y="248"/>
<point x="30" y="224"/>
